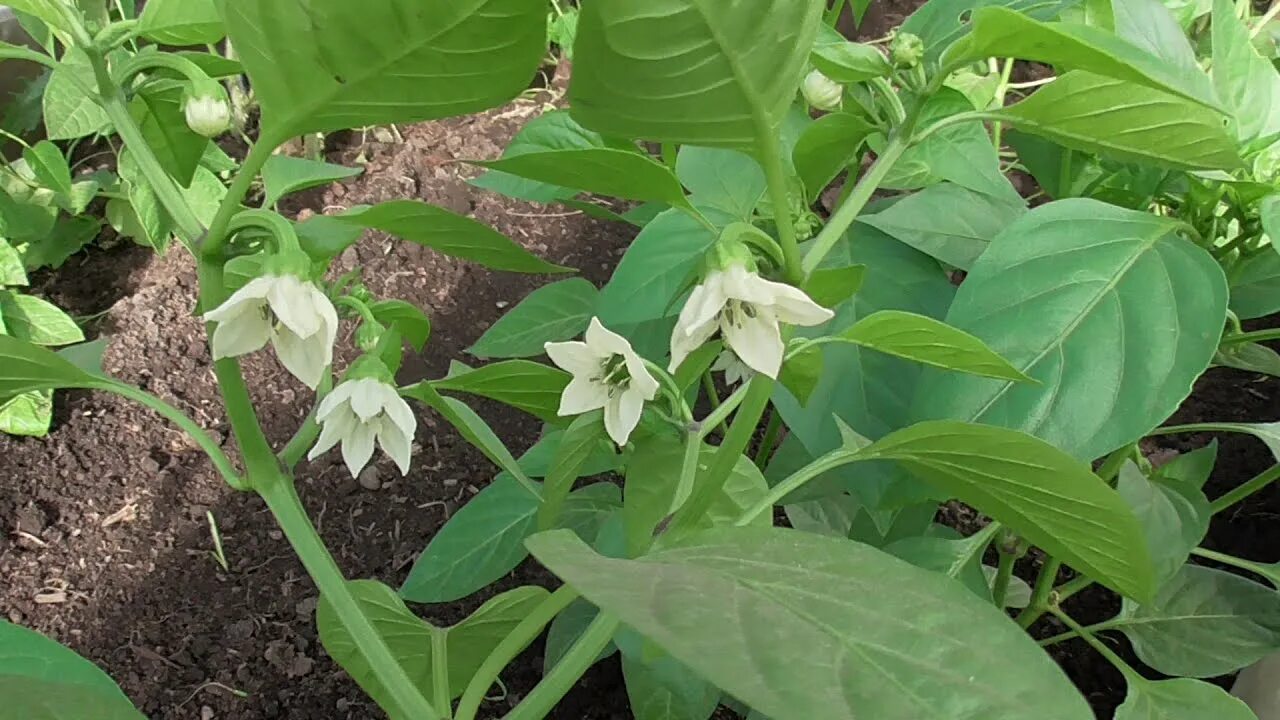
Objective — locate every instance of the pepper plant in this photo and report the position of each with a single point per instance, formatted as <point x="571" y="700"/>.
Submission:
<point x="750" y="356"/>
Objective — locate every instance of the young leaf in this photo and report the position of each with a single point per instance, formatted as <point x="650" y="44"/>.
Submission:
<point x="1268" y="433"/>
<point x="925" y="340"/>
<point x="847" y="62"/>
<point x="481" y="543"/>
<point x="552" y="313"/>
<point x="50" y="167"/>
<point x="962" y="153"/>
<point x="1192" y="468"/>
<point x="532" y="387"/>
<point x="1251" y="357"/>
<point x="37" y="321"/>
<point x="158" y="112"/>
<point x="1203" y="623"/>
<point x="1175" y="517"/>
<point x="283" y="175"/>
<point x="723" y="179"/>
<point x="1042" y="294"/>
<point x="947" y="221"/>
<point x="815" y="603"/>
<point x="604" y="171"/>
<point x="827" y="146"/>
<point x="1179" y="699"/>
<point x="1044" y="495"/>
<point x="448" y="233"/>
<point x="182" y="22"/>
<point x="1246" y="82"/>
<point x="383" y="61"/>
<point x="638" y="56"/>
<point x="1125" y="120"/>
<point x="939" y="23"/>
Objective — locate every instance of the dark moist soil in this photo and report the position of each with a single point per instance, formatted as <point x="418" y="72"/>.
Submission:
<point x="106" y="545"/>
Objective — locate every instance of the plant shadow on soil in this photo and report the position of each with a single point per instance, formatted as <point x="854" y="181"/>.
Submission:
<point x="106" y="545"/>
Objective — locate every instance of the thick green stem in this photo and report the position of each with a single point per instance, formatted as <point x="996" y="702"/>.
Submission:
<point x="857" y="200"/>
<point x="258" y="156"/>
<point x="1269" y="572"/>
<point x="716" y="418"/>
<point x="1004" y="573"/>
<point x="735" y="442"/>
<point x="1041" y="593"/>
<point x="281" y="497"/>
<point x="1258" y="482"/>
<point x="566" y="673"/>
<point x="1251" y="337"/>
<point x="510" y="646"/>
<point x="780" y="197"/>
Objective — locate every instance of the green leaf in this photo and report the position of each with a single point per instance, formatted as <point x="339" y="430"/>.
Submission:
<point x="159" y="115"/>
<point x="1268" y="433"/>
<point x="283" y="175"/>
<point x="44" y="10"/>
<point x="654" y="270"/>
<point x="1203" y="623"/>
<point x="579" y="441"/>
<point x="481" y="543"/>
<point x="25" y="367"/>
<point x="412" y="323"/>
<point x="831" y="286"/>
<point x="11" y="271"/>
<point x="799" y="628"/>
<point x="448" y="233"/>
<point x="847" y="62"/>
<point x="1179" y="699"/>
<point x="471" y="641"/>
<point x="324" y="237"/>
<point x="605" y="171"/>
<point x="1071" y="46"/>
<point x="69" y="111"/>
<point x="1174" y="515"/>
<point x="552" y="313"/>
<point x="686" y="71"/>
<point x="42" y="679"/>
<point x="962" y="153"/>
<point x="1251" y="357"/>
<point x="939" y="23"/>
<point x="1035" y="489"/>
<point x="50" y="167"/>
<point x="37" y="321"/>
<point x="925" y="340"/>
<point x="960" y="560"/>
<point x="550" y="131"/>
<point x="1255" y="286"/>
<point x="724" y="179"/>
<point x="29" y="414"/>
<point x="828" y="145"/>
<point x="1192" y="468"/>
<point x="1052" y="284"/>
<point x="801" y="372"/>
<point x="528" y="386"/>
<point x="566" y="629"/>
<point x="23" y="222"/>
<point x="1246" y="82"/>
<point x="349" y="64"/>
<point x="666" y="690"/>
<point x="948" y="222"/>
<point x="181" y="22"/>
<point x="215" y="66"/>
<point x="68" y="236"/>
<point x="471" y="426"/>
<point x="1127" y="121"/>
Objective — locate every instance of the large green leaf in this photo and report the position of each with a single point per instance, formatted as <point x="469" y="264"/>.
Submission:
<point x="31" y="699"/>
<point x="947" y="221"/>
<point x="1125" y="120"/>
<point x="551" y="313"/>
<point x="1108" y="309"/>
<point x="181" y="22"/>
<point x="1174" y="515"/>
<point x="348" y="64"/>
<point x="1071" y="46"/>
<point x="1180" y="699"/>
<point x="25" y="367"/>
<point x="554" y="130"/>
<point x="37" y="321"/>
<point x="928" y="341"/>
<point x="939" y="23"/>
<point x="1246" y="82"/>
<point x="449" y="233"/>
<point x="690" y="71"/>
<point x="656" y="267"/>
<point x="282" y="175"/>
<point x="805" y="627"/>
<point x="1203" y="623"/>
<point x="723" y="179"/>
<point x="605" y="171"/>
<point x="532" y="387"/>
<point x="665" y="690"/>
<point x="1255" y="286"/>
<point x="482" y="542"/>
<point x="1041" y="493"/>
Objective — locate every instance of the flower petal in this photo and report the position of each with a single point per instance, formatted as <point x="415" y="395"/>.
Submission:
<point x="747" y="286"/>
<point x="756" y="341"/>
<point x="294" y="304"/>
<point x="357" y="447"/>
<point x="791" y="305"/>
<point x="583" y="395"/>
<point x="622" y="414"/>
<point x="605" y="342"/>
<point x="251" y="295"/>
<point x="704" y="304"/>
<point x="303" y="357"/>
<point x="366" y="398"/>
<point x="338" y="397"/>
<point x="573" y="357"/>
<point x="333" y="431"/>
<point x="684" y="343"/>
<point x="395" y="444"/>
<point x="241" y="334"/>
<point x="399" y="412"/>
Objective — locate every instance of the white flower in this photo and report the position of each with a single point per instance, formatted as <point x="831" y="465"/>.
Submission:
<point x="735" y="371"/>
<point x="821" y="91"/>
<point x="288" y="311"/>
<point x="607" y="374"/>
<point x="208" y="115"/>
<point x="746" y="309"/>
<point x="359" y="411"/>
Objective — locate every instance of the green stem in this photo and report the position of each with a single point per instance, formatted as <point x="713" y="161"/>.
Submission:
<point x="1254" y="337"/>
<point x="735" y="442"/>
<point x="1004" y="574"/>
<point x="1096" y="644"/>
<point x="1041" y="593"/>
<point x="258" y="156"/>
<point x="440" y="694"/>
<point x="136" y="64"/>
<point x="220" y="460"/>
<point x="1073" y="586"/>
<point x="1070" y="634"/>
<point x="1271" y="574"/>
<point x="566" y="673"/>
<point x="1002" y="89"/>
<point x="897" y="113"/>
<point x="772" y="429"/>
<point x="281" y="497"/>
<point x="780" y="197"/>
<point x="1256" y="483"/>
<point x="722" y="410"/>
<point x="670" y="152"/>
<point x="709" y="387"/>
<point x="280" y="230"/>
<point x="833" y="13"/>
<point x="510" y="646"/>
<point x="1110" y="467"/>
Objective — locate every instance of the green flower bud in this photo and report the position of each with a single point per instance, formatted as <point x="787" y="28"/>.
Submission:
<point x="906" y="50"/>
<point x="369" y="367"/>
<point x="369" y="335"/>
<point x="821" y="91"/>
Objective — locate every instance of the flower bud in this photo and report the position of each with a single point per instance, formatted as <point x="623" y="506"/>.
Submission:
<point x="821" y="91"/>
<point x="369" y="335"/>
<point x="906" y="50"/>
<point x="207" y="110"/>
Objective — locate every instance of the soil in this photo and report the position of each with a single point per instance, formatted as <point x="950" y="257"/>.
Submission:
<point x="106" y="543"/>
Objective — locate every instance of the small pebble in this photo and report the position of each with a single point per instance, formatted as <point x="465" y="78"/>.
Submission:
<point x="369" y="479"/>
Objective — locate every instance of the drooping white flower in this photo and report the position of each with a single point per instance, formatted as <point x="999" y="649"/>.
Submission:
<point x="735" y="371"/>
<point x="208" y="115"/>
<point x="746" y="309"/>
<point x="607" y="374"/>
<point x="285" y="310"/>
<point x="357" y="413"/>
<point x="821" y="91"/>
